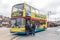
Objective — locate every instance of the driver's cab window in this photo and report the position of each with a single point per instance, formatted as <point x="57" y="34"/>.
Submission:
<point x="18" y="22"/>
<point x="13" y="21"/>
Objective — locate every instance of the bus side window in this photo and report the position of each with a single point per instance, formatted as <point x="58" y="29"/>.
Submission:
<point x="28" y="10"/>
<point x="37" y="24"/>
<point x="37" y="12"/>
<point x="32" y="10"/>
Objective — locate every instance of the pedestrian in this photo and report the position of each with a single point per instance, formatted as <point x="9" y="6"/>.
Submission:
<point x="33" y="28"/>
<point x="27" y="28"/>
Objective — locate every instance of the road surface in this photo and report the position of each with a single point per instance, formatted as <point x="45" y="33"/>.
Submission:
<point x="5" y="34"/>
<point x="50" y="34"/>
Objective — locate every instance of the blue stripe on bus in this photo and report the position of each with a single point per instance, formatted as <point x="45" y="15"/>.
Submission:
<point x="18" y="32"/>
<point x="39" y="29"/>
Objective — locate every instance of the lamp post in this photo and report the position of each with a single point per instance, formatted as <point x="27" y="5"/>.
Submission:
<point x="48" y="14"/>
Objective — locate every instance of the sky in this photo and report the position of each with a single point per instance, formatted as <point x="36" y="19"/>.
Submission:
<point x="45" y="6"/>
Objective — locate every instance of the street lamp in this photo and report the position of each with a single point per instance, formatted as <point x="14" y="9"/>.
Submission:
<point x="50" y="13"/>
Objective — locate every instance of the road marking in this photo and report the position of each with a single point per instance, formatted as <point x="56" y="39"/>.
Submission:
<point x="14" y="37"/>
<point x="18" y="36"/>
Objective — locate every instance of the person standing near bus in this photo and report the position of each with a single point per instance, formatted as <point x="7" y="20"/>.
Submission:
<point x="33" y="28"/>
<point x="27" y="28"/>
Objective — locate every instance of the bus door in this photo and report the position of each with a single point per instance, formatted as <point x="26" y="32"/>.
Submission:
<point x="28" y="20"/>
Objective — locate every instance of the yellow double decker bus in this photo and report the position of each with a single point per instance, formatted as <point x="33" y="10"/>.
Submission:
<point x="23" y="13"/>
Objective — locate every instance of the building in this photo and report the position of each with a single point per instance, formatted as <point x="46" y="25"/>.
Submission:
<point x="4" y="21"/>
<point x="1" y="20"/>
<point x="50" y="24"/>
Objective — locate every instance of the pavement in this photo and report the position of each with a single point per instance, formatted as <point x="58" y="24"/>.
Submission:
<point x="5" y="34"/>
<point x="52" y="33"/>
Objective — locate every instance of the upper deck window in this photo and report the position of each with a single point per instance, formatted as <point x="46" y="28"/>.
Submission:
<point x="32" y="10"/>
<point x="17" y="10"/>
<point x="18" y="7"/>
<point x="28" y="10"/>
